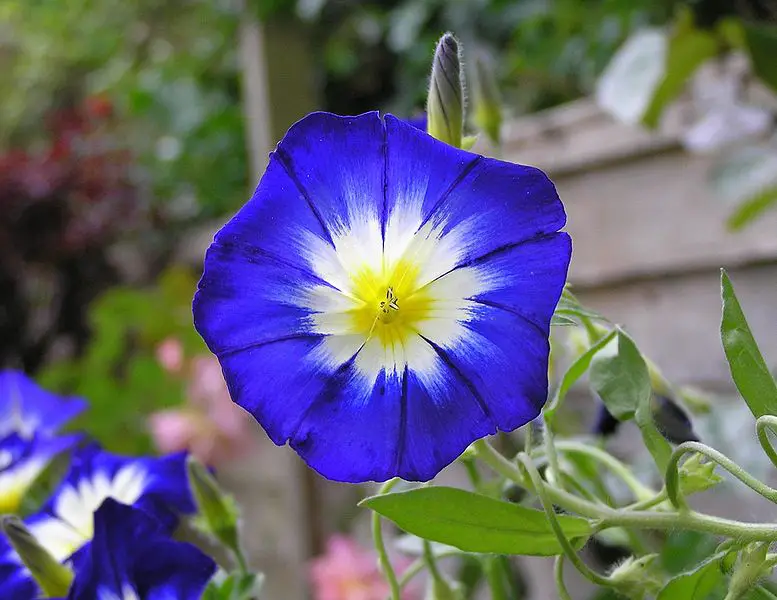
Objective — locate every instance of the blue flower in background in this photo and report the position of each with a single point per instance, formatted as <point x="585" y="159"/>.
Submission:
<point x="385" y="299"/>
<point x="28" y="409"/>
<point x="65" y="524"/>
<point x="132" y="557"/>
<point x="22" y="460"/>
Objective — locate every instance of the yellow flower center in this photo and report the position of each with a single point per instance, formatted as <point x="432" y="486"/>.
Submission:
<point x="391" y="302"/>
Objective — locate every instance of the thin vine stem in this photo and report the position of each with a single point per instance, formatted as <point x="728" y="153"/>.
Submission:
<point x="541" y="489"/>
<point x="558" y="575"/>
<point x="419" y="565"/>
<point x="380" y="547"/>
<point x="640" y="491"/>
<point x="605" y="517"/>
<point x="762" y="426"/>
<point x="673" y="473"/>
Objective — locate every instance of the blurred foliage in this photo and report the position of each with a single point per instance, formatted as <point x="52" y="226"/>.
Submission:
<point x="119" y="374"/>
<point x="719" y="58"/>
<point x="170" y="69"/>
<point x="376" y="53"/>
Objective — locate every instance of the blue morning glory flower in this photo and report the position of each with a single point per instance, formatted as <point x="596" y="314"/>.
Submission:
<point x="65" y="523"/>
<point x="28" y="409"/>
<point x="132" y="557"/>
<point x="22" y="460"/>
<point x="384" y="299"/>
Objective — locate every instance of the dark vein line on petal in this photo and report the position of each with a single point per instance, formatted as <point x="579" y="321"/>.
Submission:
<point x="285" y="161"/>
<point x="325" y="392"/>
<point x="250" y="251"/>
<point x="446" y="359"/>
<point x="464" y="172"/>
<point x="384" y="214"/>
<point x="488" y="256"/>
<point x="402" y="433"/>
<point x="253" y="345"/>
<point x="513" y="311"/>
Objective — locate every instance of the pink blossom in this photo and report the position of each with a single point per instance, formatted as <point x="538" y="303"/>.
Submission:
<point x="209" y="425"/>
<point x="169" y="354"/>
<point x="348" y="571"/>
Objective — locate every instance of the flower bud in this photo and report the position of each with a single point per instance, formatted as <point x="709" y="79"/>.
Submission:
<point x="217" y="510"/>
<point x="445" y="103"/>
<point x="751" y="568"/>
<point x="638" y="577"/>
<point x="697" y="475"/>
<point x="486" y="105"/>
<point x="672" y="421"/>
<point x="53" y="578"/>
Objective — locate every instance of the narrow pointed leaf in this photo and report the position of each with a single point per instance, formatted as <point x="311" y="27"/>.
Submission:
<point x="748" y="368"/>
<point x="476" y="523"/>
<point x="576" y="370"/>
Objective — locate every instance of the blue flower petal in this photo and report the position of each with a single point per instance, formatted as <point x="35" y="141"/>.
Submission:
<point x="15" y="580"/>
<point x="157" y="485"/>
<point x="27" y="408"/>
<point x="384" y="299"/>
<point x="132" y="553"/>
<point x="22" y="460"/>
<point x="495" y="203"/>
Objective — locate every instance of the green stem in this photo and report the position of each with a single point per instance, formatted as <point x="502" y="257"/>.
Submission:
<point x="497" y="577"/>
<point x="558" y="575"/>
<point x="380" y="547"/>
<point x="673" y="473"/>
<point x="547" y="504"/>
<point x="430" y="561"/>
<point x="419" y="565"/>
<point x="641" y="492"/>
<point x="550" y="453"/>
<point x="765" y="593"/>
<point x="605" y="517"/>
<point x="762" y="426"/>
<point x="242" y="563"/>
<point x="649" y="502"/>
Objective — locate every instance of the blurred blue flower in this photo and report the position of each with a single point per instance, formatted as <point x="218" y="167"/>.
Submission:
<point x="28" y="409"/>
<point x="65" y="524"/>
<point x="384" y="299"/>
<point x="22" y="460"/>
<point x="132" y="557"/>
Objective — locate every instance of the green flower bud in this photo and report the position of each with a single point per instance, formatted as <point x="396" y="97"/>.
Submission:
<point x="751" y="568"/>
<point x="445" y="103"/>
<point x="698" y="476"/>
<point x="638" y="577"/>
<point x="217" y="510"/>
<point x="486" y="104"/>
<point x="53" y="578"/>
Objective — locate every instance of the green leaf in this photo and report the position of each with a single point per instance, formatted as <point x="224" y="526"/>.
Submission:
<point x="761" y="41"/>
<point x="688" y="49"/>
<point x="696" y="584"/>
<point x="620" y="377"/>
<point x="476" y="523"/>
<point x="748" y="368"/>
<point x="576" y="370"/>
<point x="752" y="208"/>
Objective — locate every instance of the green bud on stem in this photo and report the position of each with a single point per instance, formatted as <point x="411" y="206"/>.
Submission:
<point x="53" y="578"/>
<point x="445" y="103"/>
<point x="217" y="510"/>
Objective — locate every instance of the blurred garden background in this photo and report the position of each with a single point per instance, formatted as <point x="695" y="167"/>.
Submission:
<point x="130" y="131"/>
